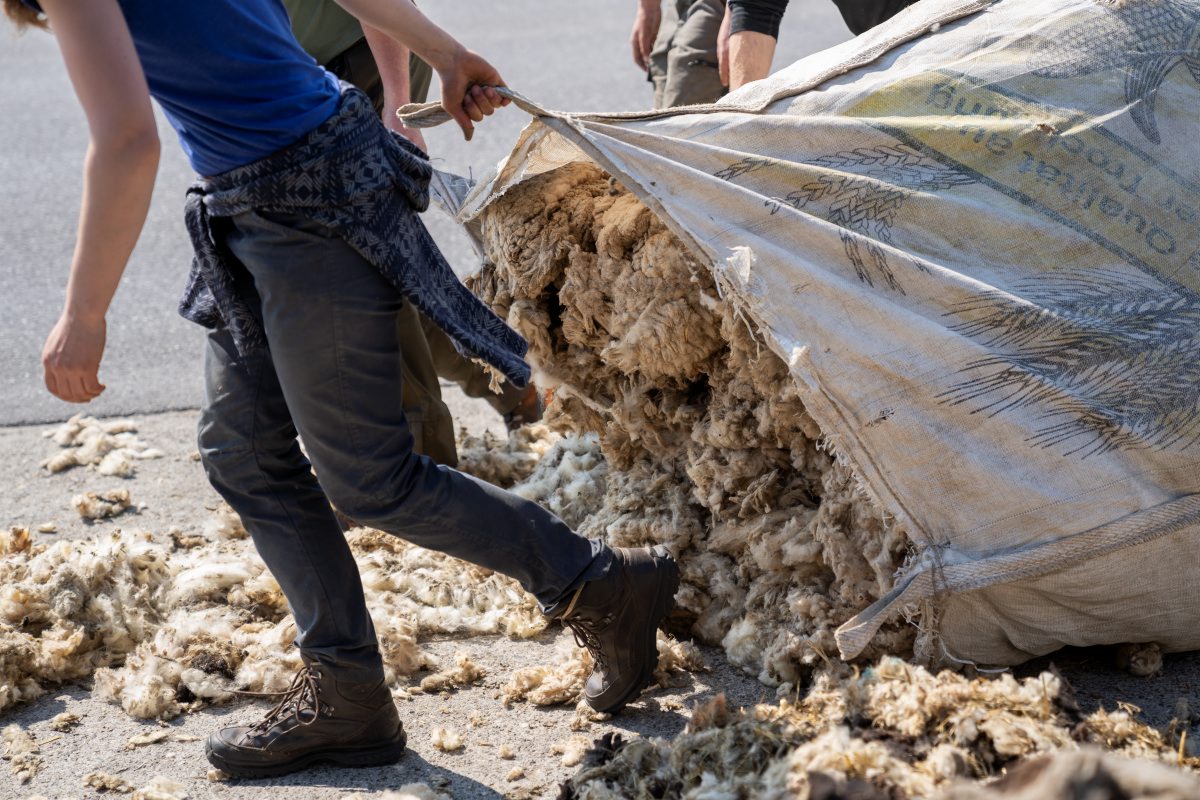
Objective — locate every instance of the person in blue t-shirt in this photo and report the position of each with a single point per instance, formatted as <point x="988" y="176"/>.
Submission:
<point x="307" y="242"/>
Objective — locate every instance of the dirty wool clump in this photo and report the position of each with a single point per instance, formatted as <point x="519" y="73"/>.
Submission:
<point x="708" y="447"/>
<point x="111" y="447"/>
<point x="163" y="628"/>
<point x="561" y="680"/>
<point x="892" y="731"/>
<point x="167" y="622"/>
<point x="21" y="752"/>
<point x="96" y="506"/>
<point x="504" y="462"/>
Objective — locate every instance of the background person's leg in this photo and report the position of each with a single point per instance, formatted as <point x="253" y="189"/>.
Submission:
<point x="659" y="67"/>
<point x="429" y="417"/>
<point x="420" y="75"/>
<point x="693" y="75"/>
<point x="473" y="379"/>
<point x="330" y="320"/>
<point x="421" y="391"/>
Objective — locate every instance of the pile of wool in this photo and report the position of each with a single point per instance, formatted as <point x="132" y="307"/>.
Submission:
<point x="226" y="627"/>
<point x="569" y="479"/>
<point x="164" y="622"/>
<point x="504" y="462"/>
<point x="68" y="608"/>
<point x="161" y="627"/>
<point x="709" y="448"/>
<point x="892" y="731"/>
<point x="110" y="447"/>
<point x="561" y="680"/>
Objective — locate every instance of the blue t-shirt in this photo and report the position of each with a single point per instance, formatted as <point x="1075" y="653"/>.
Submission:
<point x="229" y="76"/>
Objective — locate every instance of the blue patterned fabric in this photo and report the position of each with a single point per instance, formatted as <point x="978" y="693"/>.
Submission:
<point x="366" y="184"/>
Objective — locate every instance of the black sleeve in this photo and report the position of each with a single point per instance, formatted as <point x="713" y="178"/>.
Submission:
<point x="861" y="16"/>
<point x="759" y="16"/>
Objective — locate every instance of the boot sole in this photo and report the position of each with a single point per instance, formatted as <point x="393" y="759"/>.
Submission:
<point x="664" y="600"/>
<point x="377" y="756"/>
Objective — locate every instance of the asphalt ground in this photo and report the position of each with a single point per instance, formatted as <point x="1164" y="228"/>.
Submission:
<point x="571" y="56"/>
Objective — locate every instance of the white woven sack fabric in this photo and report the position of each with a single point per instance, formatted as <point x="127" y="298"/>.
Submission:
<point x="972" y="233"/>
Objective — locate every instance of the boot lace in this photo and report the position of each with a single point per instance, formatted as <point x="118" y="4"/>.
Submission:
<point x="586" y="637"/>
<point x="302" y="700"/>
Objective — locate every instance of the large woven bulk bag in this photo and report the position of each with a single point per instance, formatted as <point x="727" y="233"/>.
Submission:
<point x="972" y="235"/>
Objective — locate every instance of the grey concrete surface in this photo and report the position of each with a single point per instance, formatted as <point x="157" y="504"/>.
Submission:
<point x="568" y="55"/>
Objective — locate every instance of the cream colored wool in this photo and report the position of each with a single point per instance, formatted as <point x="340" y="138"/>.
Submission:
<point x="409" y="791"/>
<point x="446" y="739"/>
<point x="504" y="462"/>
<point x="709" y="449"/>
<point x="148" y="738"/>
<point x="162" y="629"/>
<point x="102" y="505"/>
<point x="103" y="782"/>
<point x="896" y="728"/>
<point x="63" y="722"/>
<point x="464" y="673"/>
<point x="572" y="750"/>
<point x="561" y="681"/>
<point x="21" y="751"/>
<point x="161" y="788"/>
<point x="110" y="446"/>
<point x="225" y="524"/>
<point x="555" y="683"/>
<point x="569" y="479"/>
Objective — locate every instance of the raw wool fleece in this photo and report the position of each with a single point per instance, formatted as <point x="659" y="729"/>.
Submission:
<point x="21" y="752"/>
<point x="165" y="623"/>
<point x="504" y="462"/>
<point x="710" y="450"/>
<point x="110" y="447"/>
<point x="102" y="505"/>
<point x="162" y="627"/>
<point x="893" y="731"/>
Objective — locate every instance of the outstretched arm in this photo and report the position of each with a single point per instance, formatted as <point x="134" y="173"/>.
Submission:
<point x="118" y="178"/>
<point x="466" y="77"/>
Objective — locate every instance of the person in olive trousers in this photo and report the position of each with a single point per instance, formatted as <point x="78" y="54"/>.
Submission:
<point x="339" y="42"/>
<point x="679" y="52"/>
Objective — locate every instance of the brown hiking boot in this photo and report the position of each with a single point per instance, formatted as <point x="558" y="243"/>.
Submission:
<point x="319" y="718"/>
<point x="615" y="618"/>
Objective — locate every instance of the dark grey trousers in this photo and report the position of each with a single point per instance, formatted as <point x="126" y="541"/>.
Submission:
<point x="332" y="373"/>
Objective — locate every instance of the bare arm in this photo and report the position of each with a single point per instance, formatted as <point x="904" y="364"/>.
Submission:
<point x="118" y="178"/>
<point x="750" y="56"/>
<point x="752" y="28"/>
<point x="466" y="77"/>
<point x="392" y="59"/>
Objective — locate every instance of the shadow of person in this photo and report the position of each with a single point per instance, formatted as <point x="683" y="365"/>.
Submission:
<point x="412" y="768"/>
